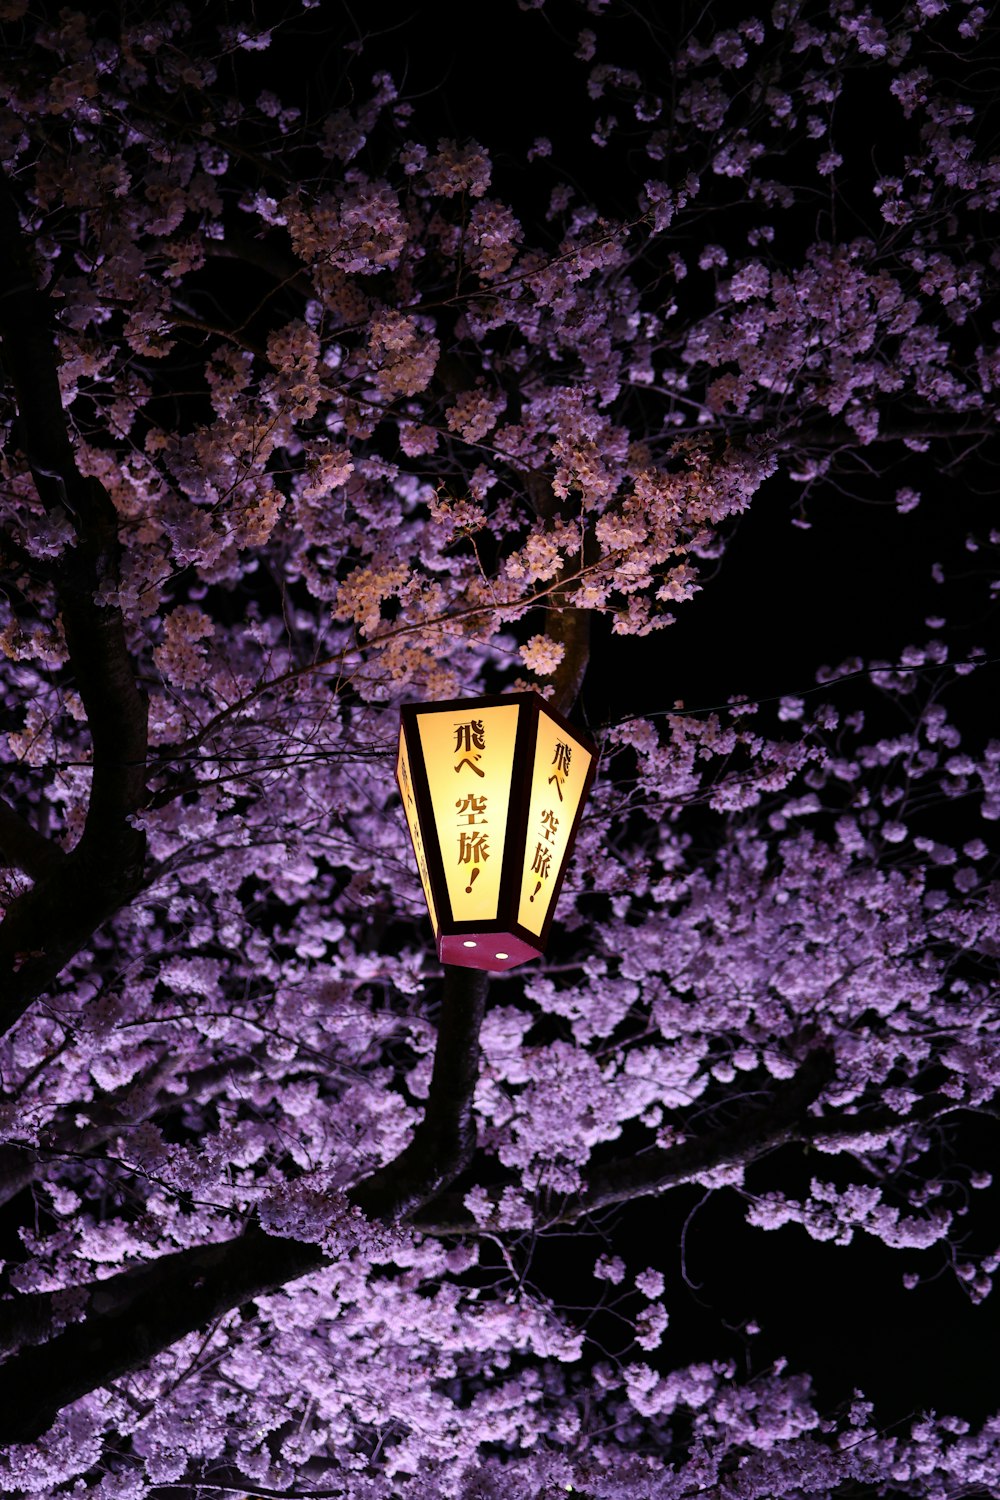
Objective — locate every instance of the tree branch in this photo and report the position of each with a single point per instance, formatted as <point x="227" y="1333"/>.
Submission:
<point x="571" y="628"/>
<point x="930" y="426"/>
<point x="777" y="1123"/>
<point x="131" y="1317"/>
<point x="24" y="848"/>
<point x="48" y="924"/>
<point x="108" y="1115"/>
<point x="752" y="1135"/>
<point x="264" y="257"/>
<point x="568" y="626"/>
<point x="444" y="1142"/>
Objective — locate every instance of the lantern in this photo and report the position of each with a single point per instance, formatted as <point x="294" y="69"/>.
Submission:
<point x="492" y="790"/>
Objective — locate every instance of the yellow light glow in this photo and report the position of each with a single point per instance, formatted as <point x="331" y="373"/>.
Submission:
<point x="557" y="780"/>
<point x="405" y="784"/>
<point x="478" y="812"/>
<point x="469" y="758"/>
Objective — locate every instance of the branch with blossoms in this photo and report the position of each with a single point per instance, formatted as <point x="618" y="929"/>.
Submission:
<point x="783" y="1120"/>
<point x="75" y="892"/>
<point x="82" y="1127"/>
<point x="311" y="421"/>
<point x="566" y="626"/>
<point x="118" y="1325"/>
<point x="23" y="848"/>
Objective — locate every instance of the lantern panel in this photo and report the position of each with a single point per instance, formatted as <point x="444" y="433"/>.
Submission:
<point x="468" y="756"/>
<point x="559" y="777"/>
<point x="405" y="783"/>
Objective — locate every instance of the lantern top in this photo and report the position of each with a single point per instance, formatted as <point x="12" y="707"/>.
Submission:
<point x="490" y="700"/>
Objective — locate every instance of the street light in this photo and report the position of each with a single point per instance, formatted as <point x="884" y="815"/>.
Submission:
<point x="492" y="790"/>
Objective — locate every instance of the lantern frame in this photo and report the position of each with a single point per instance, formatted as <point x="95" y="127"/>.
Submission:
<point x="474" y="943"/>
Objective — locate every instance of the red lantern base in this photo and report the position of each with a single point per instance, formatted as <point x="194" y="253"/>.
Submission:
<point x="494" y="951"/>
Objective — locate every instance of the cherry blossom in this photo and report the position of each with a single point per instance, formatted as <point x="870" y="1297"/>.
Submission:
<point x="311" y="410"/>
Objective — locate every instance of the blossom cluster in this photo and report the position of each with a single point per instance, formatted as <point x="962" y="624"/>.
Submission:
<point x="367" y="426"/>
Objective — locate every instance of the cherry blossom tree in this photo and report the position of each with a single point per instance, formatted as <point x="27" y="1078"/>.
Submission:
<point x="308" y="414"/>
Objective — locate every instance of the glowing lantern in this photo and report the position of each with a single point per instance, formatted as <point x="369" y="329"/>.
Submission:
<point x="492" y="790"/>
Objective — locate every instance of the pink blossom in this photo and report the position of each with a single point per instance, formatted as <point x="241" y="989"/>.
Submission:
<point x="323" y="417"/>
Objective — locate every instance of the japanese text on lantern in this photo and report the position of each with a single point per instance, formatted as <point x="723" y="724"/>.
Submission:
<point x="548" y="826"/>
<point x="560" y="772"/>
<point x="413" y="823"/>
<point x="473" y="839"/>
<point x="469" y="763"/>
